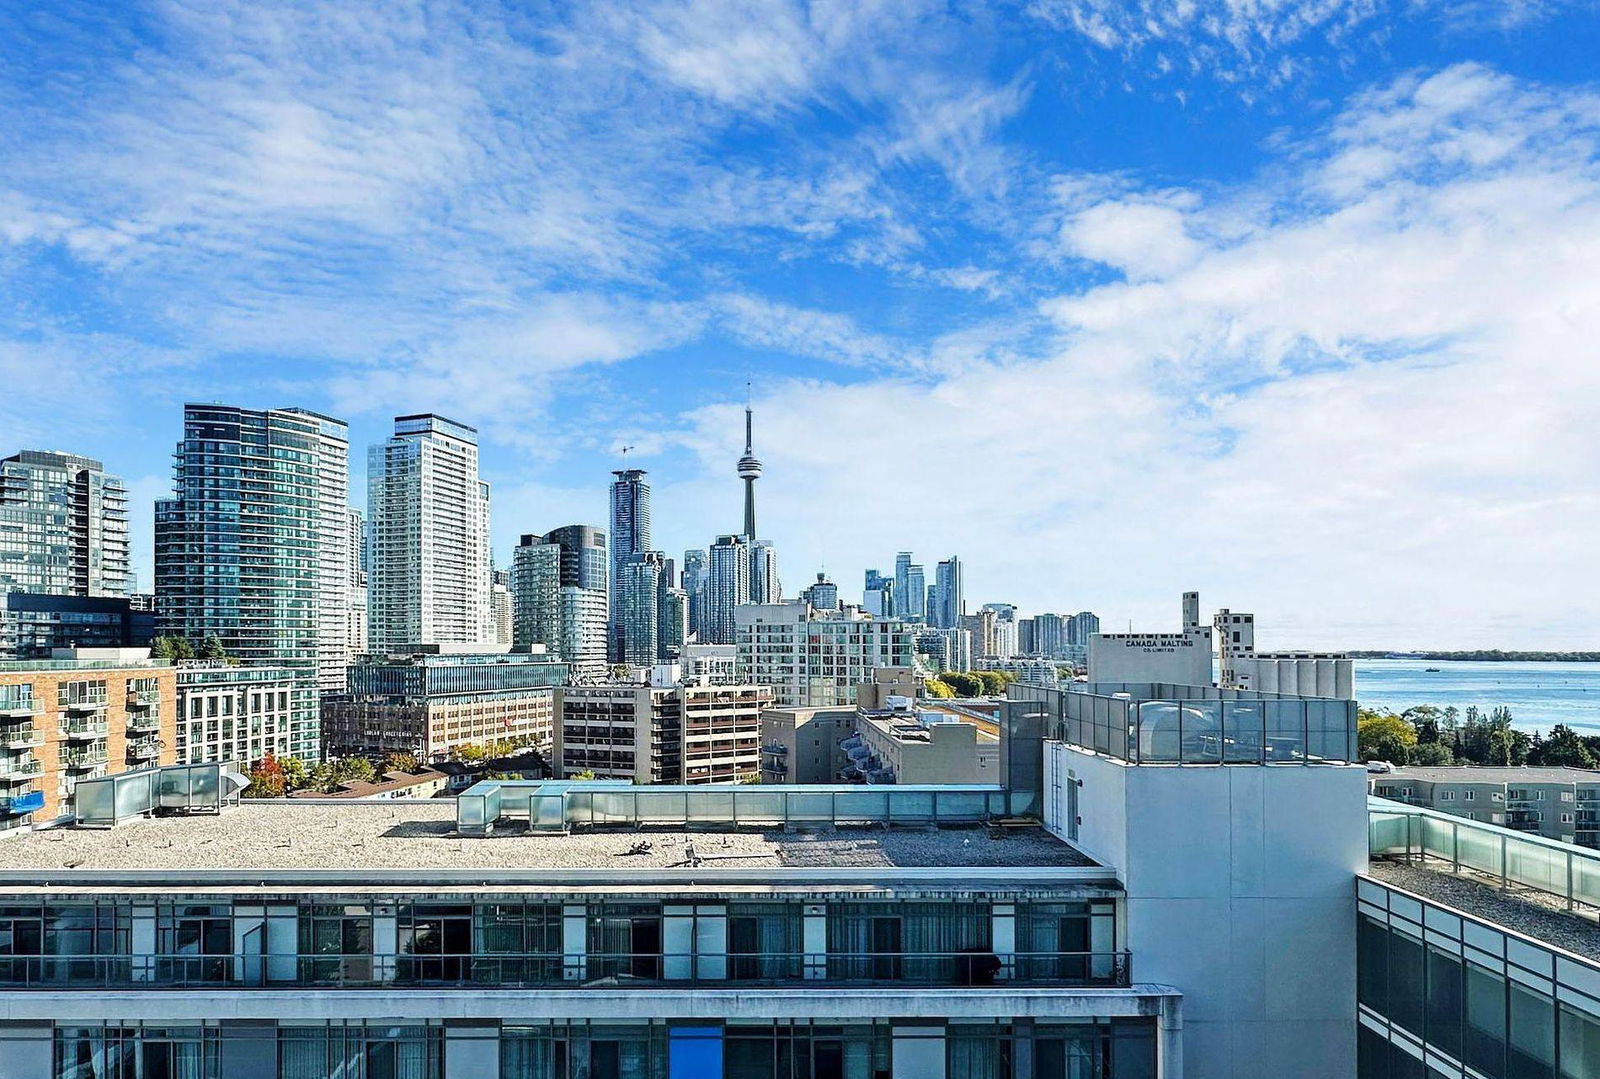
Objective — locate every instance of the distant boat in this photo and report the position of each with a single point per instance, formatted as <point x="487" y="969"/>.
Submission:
<point x="1430" y="670"/>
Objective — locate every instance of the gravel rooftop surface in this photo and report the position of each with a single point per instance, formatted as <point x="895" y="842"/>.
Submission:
<point x="411" y="835"/>
<point x="1541" y="917"/>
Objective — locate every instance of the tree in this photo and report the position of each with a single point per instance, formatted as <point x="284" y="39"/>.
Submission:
<point x="994" y="682"/>
<point x="964" y="684"/>
<point x="1436" y="754"/>
<point x="1563" y="748"/>
<point x="171" y="648"/>
<point x="1425" y="718"/>
<point x="355" y="770"/>
<point x="1383" y="736"/>
<point x="266" y="779"/>
<point x="211" y="650"/>
<point x="401" y="762"/>
<point x="936" y="688"/>
<point x="295" y="775"/>
<point x="587" y="773"/>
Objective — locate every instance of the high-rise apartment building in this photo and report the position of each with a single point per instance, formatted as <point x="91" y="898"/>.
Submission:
<point x="672" y="628"/>
<point x="237" y="714"/>
<point x="764" y="584"/>
<point x="727" y="587"/>
<point x="500" y="607"/>
<point x="1081" y="627"/>
<point x="630" y="536"/>
<point x="910" y="588"/>
<point x="63" y="526"/>
<point x="948" y="602"/>
<point x="695" y="573"/>
<point x="559" y="596"/>
<point x="878" y="595"/>
<point x="823" y="594"/>
<point x="816" y="658"/>
<point x="333" y="561"/>
<point x="356" y="584"/>
<point x="639" y="593"/>
<point x="428" y="513"/>
<point x="239" y="546"/>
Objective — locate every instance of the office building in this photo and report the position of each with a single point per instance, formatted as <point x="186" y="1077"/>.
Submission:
<point x="1327" y="674"/>
<point x="334" y="569"/>
<point x="1561" y="804"/>
<point x="1182" y="658"/>
<point x="727" y="588"/>
<point x="1027" y="639"/>
<point x="947" y="597"/>
<point x="910" y="588"/>
<point x="428" y="515"/>
<point x="630" y="536"/>
<point x="237" y="714"/>
<point x="34" y="625"/>
<point x="240" y="545"/>
<point x="82" y="714"/>
<point x="823" y="594"/>
<point x="686" y="734"/>
<point x="559" y="596"/>
<point x="429" y="702"/>
<point x="816" y="658"/>
<point x="63" y="526"/>
<point x="695" y="572"/>
<point x="878" y="596"/>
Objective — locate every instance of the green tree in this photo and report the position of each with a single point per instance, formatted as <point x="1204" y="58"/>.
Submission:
<point x="401" y="762"/>
<point x="938" y="689"/>
<point x="1436" y="754"/>
<point x="1564" y="747"/>
<point x="211" y="650"/>
<point x="295" y="775"/>
<point x="994" y="682"/>
<point x="964" y="683"/>
<point x="1383" y="736"/>
<point x="354" y="770"/>
<point x="171" y="648"/>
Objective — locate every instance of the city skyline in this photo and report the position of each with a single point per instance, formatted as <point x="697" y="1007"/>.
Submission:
<point x="1290" y="304"/>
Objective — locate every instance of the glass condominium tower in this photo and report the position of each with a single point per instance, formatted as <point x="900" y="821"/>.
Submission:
<point x="630" y="537"/>
<point x="240" y="545"/>
<point x="63" y="526"/>
<point x="558" y="596"/>
<point x="428" y="512"/>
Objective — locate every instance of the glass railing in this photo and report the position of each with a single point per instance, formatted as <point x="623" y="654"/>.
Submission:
<point x="967" y="968"/>
<point x="19" y="769"/>
<point x="24" y="735"/>
<point x="1507" y="858"/>
<point x="85" y="758"/>
<point x="18" y="704"/>
<point x="84" y="727"/>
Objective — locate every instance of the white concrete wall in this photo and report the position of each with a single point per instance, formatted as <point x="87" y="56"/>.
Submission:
<point x="1183" y="658"/>
<point x="1240" y="895"/>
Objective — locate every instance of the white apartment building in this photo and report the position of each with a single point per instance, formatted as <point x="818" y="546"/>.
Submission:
<point x="662" y="734"/>
<point x="429" y="580"/>
<point x="234" y="714"/>
<point x="816" y="658"/>
<point x="334" y="555"/>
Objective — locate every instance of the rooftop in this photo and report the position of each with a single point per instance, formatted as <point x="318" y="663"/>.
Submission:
<point x="351" y="837"/>
<point x="1474" y="774"/>
<point x="1540" y="916"/>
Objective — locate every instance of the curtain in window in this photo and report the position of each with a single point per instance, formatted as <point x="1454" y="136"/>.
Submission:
<point x="976" y="1054"/>
<point x="527" y="1058"/>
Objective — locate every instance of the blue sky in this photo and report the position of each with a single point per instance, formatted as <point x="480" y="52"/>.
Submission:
<point x="1292" y="301"/>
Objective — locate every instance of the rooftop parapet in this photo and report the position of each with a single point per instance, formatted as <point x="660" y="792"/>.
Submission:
<point x="1167" y="723"/>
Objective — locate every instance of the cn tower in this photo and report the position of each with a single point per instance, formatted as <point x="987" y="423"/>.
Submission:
<point x="749" y="471"/>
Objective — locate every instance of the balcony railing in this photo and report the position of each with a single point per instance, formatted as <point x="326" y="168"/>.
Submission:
<point x="84" y="728"/>
<point x="143" y="722"/>
<point x="20" y="737"/>
<point x="144" y="698"/>
<point x="13" y="770"/>
<point x="84" y="705"/>
<point x="144" y="749"/>
<point x="80" y="759"/>
<point x="975" y="968"/>
<point x="15" y="707"/>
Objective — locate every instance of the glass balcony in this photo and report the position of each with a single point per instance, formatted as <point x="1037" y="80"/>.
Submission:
<point x="143" y="721"/>
<point x="144" y="749"/>
<point x="20" y="736"/>
<point x="18" y="705"/>
<point x="84" y="728"/>
<point x="18" y="769"/>
<point x="83" y="759"/>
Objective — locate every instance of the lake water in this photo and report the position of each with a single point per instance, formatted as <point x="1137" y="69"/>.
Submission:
<point x="1539" y="695"/>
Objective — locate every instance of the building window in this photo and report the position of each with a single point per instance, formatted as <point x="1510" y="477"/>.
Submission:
<point x="1469" y="796"/>
<point x="1447" y="796"/>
